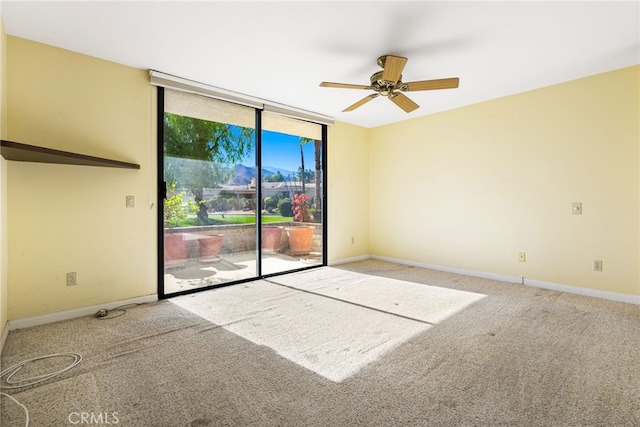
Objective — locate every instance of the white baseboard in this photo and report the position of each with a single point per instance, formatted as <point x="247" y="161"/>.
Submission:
<point x="28" y="322"/>
<point x="473" y="273"/>
<point x="85" y="311"/>
<point x="5" y="334"/>
<point x="346" y="260"/>
<point x="597" y="293"/>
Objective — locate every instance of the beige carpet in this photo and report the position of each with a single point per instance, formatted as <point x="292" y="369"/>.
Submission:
<point x="369" y="343"/>
<point x="339" y="324"/>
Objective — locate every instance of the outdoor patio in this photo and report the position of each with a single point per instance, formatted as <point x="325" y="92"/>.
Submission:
<point x="195" y="273"/>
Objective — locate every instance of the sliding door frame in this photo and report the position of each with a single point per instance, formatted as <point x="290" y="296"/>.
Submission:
<point x="162" y="194"/>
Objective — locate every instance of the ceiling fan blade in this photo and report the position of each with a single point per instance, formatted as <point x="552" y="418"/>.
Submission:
<point x="343" y="85"/>
<point x="393" y="66"/>
<point x="361" y="102"/>
<point x="451" y="83"/>
<point x="402" y="101"/>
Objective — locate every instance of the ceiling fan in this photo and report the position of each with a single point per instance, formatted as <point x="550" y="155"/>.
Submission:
<point x="388" y="82"/>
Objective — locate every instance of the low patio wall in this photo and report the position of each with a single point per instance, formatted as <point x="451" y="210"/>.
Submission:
<point x="242" y="237"/>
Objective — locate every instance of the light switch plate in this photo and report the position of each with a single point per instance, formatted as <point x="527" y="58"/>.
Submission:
<point x="131" y="201"/>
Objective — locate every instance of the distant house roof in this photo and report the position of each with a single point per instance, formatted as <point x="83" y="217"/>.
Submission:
<point x="267" y="187"/>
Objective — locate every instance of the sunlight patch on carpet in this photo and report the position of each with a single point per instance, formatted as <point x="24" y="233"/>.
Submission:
<point x="330" y="321"/>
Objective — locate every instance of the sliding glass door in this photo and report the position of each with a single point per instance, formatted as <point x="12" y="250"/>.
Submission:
<point x="242" y="193"/>
<point x="292" y="194"/>
<point x="209" y="150"/>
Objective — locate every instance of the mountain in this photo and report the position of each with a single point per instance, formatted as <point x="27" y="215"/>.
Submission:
<point x="273" y="170"/>
<point x="242" y="174"/>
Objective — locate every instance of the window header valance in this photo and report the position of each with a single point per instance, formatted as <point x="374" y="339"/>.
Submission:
<point x="172" y="82"/>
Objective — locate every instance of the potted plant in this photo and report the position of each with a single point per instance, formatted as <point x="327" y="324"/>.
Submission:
<point x="175" y="247"/>
<point x="210" y="246"/>
<point x="272" y="238"/>
<point x="300" y="237"/>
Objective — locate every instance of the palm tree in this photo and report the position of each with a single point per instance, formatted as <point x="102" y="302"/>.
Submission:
<point x="317" y="203"/>
<point x="303" y="141"/>
<point x="318" y="197"/>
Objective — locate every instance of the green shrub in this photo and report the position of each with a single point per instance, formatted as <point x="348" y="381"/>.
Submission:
<point x="271" y="202"/>
<point x="220" y="204"/>
<point x="175" y="209"/>
<point x="247" y="204"/>
<point x="284" y="207"/>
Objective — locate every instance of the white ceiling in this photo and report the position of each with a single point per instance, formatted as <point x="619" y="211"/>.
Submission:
<point x="281" y="51"/>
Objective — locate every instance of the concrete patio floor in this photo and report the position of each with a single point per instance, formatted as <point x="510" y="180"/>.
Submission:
<point x="196" y="273"/>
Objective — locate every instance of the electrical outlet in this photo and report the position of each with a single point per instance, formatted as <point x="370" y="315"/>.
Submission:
<point x="576" y="208"/>
<point x="72" y="278"/>
<point x="597" y="265"/>
<point x="522" y="257"/>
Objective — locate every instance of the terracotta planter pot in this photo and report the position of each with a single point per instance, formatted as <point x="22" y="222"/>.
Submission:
<point x="210" y="246"/>
<point x="300" y="239"/>
<point x="175" y="250"/>
<point x="272" y="238"/>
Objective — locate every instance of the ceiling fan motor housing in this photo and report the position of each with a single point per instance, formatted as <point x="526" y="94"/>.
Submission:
<point x="385" y="87"/>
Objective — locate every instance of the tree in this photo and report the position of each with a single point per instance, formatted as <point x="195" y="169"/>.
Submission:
<point x="306" y="176"/>
<point x="276" y="177"/>
<point x="310" y="175"/>
<point x="303" y="141"/>
<point x="318" y="196"/>
<point x="199" y="154"/>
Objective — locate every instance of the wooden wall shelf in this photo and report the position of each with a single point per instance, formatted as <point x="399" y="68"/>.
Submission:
<point x="30" y="153"/>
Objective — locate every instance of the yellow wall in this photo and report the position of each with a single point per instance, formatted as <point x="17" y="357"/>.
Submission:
<point x="3" y="185"/>
<point x="348" y="191"/>
<point x="471" y="187"/>
<point x="72" y="218"/>
<point x="467" y="188"/>
<point x="64" y="218"/>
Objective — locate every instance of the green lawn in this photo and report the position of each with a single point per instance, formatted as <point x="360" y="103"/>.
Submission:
<point x="232" y="219"/>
